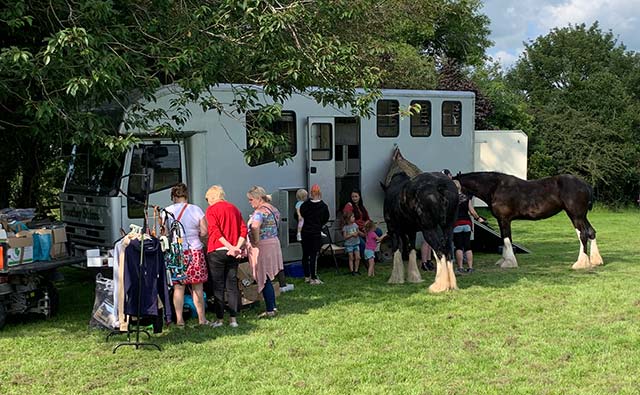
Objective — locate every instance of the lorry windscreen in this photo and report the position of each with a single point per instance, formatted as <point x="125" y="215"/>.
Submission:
<point x="90" y="174"/>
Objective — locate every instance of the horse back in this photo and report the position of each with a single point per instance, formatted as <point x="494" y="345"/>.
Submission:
<point x="542" y="198"/>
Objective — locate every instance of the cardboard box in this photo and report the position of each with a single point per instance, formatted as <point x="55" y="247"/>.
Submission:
<point x="248" y="287"/>
<point x="251" y="292"/>
<point x="20" y="249"/>
<point x="245" y="275"/>
<point x="59" y="245"/>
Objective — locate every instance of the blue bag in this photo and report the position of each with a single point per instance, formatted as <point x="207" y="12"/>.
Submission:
<point x="42" y="247"/>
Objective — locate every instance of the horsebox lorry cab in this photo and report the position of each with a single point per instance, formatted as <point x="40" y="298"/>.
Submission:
<point x="329" y="146"/>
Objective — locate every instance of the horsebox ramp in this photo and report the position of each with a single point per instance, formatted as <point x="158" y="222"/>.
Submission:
<point x="486" y="239"/>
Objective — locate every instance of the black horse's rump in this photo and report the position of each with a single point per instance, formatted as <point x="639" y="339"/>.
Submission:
<point x="510" y="198"/>
<point x="426" y="203"/>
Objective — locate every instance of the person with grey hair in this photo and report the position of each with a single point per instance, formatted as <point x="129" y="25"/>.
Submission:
<point x="264" y="252"/>
<point x="227" y="235"/>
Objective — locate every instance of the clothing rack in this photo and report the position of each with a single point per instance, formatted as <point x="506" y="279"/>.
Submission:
<point x="137" y="343"/>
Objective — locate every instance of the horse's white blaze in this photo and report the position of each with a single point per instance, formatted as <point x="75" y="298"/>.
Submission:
<point x="596" y="259"/>
<point x="508" y="257"/>
<point x="413" y="274"/>
<point x="583" y="259"/>
<point x="397" y="273"/>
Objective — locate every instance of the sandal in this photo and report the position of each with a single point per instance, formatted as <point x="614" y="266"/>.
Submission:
<point x="267" y="314"/>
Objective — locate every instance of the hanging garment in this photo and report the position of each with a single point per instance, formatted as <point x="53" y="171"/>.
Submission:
<point x="153" y="282"/>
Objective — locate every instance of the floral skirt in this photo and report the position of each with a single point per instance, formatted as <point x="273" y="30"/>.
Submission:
<point x="197" y="272"/>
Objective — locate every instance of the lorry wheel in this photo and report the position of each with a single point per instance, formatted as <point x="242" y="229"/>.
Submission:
<point x="3" y="315"/>
<point x="386" y="254"/>
<point x="54" y="299"/>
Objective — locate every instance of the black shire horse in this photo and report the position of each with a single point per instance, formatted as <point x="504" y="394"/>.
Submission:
<point x="426" y="203"/>
<point x="512" y="198"/>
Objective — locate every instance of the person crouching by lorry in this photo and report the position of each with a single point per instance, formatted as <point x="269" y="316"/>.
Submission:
<point x="227" y="235"/>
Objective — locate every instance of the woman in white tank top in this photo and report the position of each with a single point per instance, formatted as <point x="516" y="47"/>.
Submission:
<point x="194" y="227"/>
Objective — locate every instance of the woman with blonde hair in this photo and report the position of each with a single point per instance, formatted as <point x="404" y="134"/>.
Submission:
<point x="227" y="235"/>
<point x="265" y="254"/>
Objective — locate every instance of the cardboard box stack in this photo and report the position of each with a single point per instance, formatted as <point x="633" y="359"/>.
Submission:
<point x="59" y="243"/>
<point x="20" y="246"/>
<point x="248" y="286"/>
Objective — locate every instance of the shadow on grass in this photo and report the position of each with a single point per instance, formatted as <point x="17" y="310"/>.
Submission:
<point x="549" y="264"/>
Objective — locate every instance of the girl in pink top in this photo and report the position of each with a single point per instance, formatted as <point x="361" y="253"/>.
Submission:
<point x="370" y="245"/>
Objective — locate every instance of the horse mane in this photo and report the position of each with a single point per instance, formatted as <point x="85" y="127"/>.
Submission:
<point x="482" y="184"/>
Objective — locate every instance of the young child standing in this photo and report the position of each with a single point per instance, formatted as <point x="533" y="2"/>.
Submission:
<point x="301" y="195"/>
<point x="351" y="242"/>
<point x="371" y="243"/>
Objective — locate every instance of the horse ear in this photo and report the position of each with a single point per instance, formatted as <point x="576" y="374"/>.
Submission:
<point x="384" y="188"/>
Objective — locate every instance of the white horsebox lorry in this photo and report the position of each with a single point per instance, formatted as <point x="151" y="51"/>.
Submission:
<point x="329" y="146"/>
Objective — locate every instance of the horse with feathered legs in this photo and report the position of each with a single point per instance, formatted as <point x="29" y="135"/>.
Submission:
<point x="512" y="198"/>
<point x="424" y="203"/>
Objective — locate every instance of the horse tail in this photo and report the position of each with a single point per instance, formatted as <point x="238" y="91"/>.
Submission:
<point x="592" y="197"/>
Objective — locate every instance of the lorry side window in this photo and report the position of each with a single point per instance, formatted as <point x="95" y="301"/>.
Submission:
<point x="451" y="118"/>
<point x="285" y="125"/>
<point x="421" y="121"/>
<point x="321" y="141"/>
<point x="388" y="118"/>
<point x="162" y="162"/>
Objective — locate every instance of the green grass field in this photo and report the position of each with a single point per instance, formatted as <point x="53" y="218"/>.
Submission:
<point x="538" y="329"/>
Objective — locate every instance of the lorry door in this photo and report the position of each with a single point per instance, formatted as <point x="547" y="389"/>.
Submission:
<point x="321" y="167"/>
<point x="155" y="166"/>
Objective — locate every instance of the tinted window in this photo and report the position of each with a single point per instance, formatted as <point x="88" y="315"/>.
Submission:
<point x="285" y="125"/>
<point x="421" y="121"/>
<point x="388" y="118"/>
<point x="451" y="118"/>
<point x="321" y="141"/>
<point x="161" y="163"/>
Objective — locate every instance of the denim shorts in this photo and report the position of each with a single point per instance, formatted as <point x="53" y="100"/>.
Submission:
<point x="462" y="228"/>
<point x="368" y="254"/>
<point x="350" y="249"/>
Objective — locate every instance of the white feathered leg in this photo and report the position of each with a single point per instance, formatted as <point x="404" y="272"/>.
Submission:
<point x="445" y="278"/>
<point x="508" y="257"/>
<point x="583" y="259"/>
<point x="413" y="274"/>
<point x="596" y="259"/>
<point x="397" y="273"/>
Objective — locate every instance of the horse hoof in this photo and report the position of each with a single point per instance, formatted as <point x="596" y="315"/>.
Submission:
<point x="500" y="262"/>
<point x="597" y="262"/>
<point x="509" y="264"/>
<point x="581" y="265"/>
<point x="436" y="289"/>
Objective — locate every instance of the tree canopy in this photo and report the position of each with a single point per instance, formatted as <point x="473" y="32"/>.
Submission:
<point x="60" y="60"/>
<point x="581" y="88"/>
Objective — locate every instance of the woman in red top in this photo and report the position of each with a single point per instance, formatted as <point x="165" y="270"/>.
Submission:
<point x="227" y="235"/>
<point x="356" y="206"/>
<point x="463" y="228"/>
